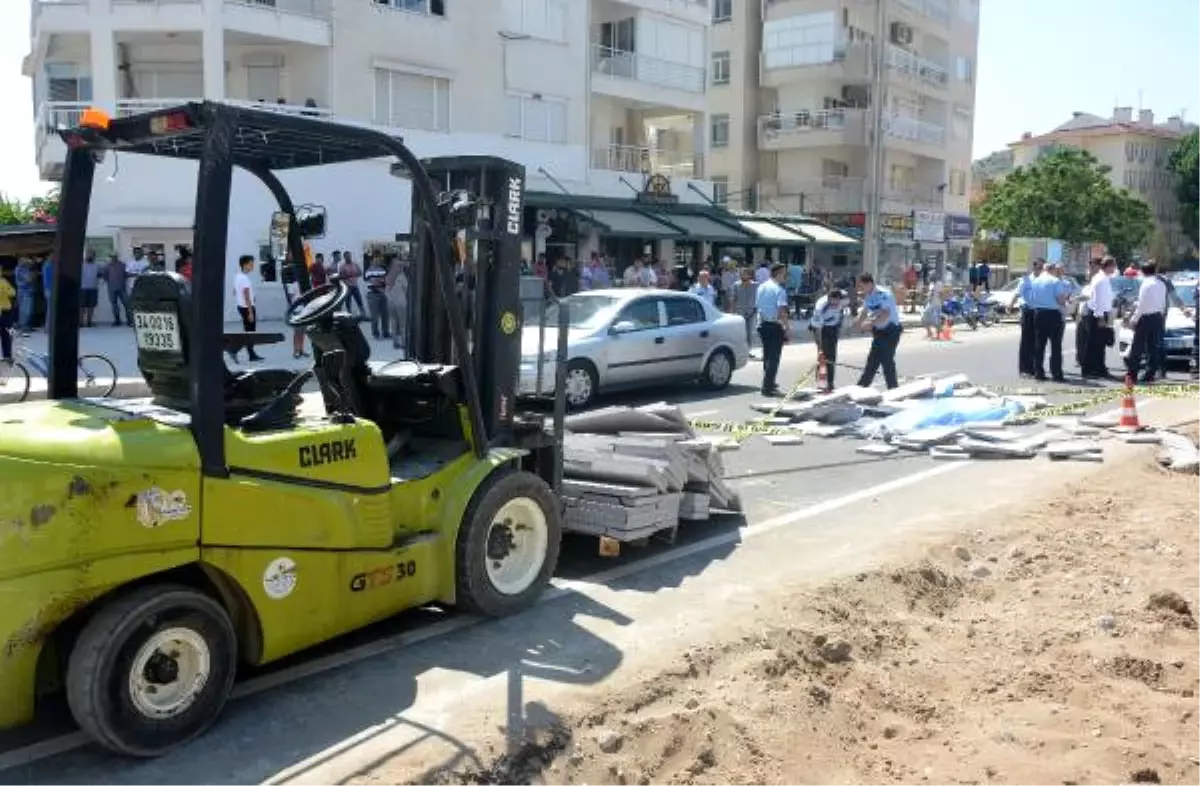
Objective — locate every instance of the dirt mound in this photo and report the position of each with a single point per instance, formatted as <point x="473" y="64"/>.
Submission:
<point x="1037" y="648"/>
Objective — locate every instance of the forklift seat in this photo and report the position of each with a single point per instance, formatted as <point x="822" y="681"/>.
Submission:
<point x="341" y="354"/>
<point x="167" y="370"/>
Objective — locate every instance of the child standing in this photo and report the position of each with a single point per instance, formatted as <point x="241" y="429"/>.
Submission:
<point x="931" y="317"/>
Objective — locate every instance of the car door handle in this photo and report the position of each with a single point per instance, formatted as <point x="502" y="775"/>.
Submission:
<point x="703" y="334"/>
<point x="659" y="340"/>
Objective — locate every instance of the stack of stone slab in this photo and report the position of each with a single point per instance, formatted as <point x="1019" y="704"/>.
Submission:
<point x="629" y="473"/>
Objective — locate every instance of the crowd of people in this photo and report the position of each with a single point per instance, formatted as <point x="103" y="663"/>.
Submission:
<point x="1045" y="293"/>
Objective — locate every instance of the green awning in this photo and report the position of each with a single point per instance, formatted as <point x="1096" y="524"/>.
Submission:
<point x="771" y="234"/>
<point x="705" y="229"/>
<point x="821" y="234"/>
<point x="626" y="223"/>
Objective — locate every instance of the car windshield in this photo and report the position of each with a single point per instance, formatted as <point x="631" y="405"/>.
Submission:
<point x="585" y="311"/>
<point x="1187" y="293"/>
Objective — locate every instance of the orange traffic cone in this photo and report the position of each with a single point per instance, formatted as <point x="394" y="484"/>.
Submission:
<point x="1129" y="416"/>
<point x="822" y="375"/>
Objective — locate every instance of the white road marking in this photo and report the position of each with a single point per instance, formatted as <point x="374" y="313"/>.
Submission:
<point x="69" y="742"/>
<point x="702" y="413"/>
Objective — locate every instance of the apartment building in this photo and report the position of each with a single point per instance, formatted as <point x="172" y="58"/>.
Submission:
<point x="1137" y="151"/>
<point x="593" y="96"/>
<point x="790" y="94"/>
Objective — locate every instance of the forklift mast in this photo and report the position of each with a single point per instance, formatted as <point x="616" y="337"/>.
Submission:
<point x="482" y="202"/>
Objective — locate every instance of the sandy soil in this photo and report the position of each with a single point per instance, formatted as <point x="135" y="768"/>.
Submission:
<point x="1052" y="645"/>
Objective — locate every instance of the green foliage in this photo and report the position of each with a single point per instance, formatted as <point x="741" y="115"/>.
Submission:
<point x="1066" y="195"/>
<point x="1185" y="161"/>
<point x="39" y="210"/>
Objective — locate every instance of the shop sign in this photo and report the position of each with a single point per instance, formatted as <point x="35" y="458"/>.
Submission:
<point x="851" y="224"/>
<point x="959" y="227"/>
<point x="657" y="191"/>
<point x="929" y="226"/>
<point x="896" y="225"/>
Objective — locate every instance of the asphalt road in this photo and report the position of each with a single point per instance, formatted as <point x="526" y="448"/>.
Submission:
<point x="282" y="720"/>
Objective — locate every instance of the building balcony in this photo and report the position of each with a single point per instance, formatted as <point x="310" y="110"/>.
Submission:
<point x="647" y="80"/>
<point x="696" y="12"/>
<point x="54" y="116"/>
<point x="821" y="196"/>
<point x="935" y="12"/>
<point x="908" y="65"/>
<point x="642" y="160"/>
<point x="915" y="136"/>
<point x="808" y="128"/>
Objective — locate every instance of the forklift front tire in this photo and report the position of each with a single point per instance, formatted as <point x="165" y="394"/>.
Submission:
<point x="508" y="544"/>
<point x="152" y="670"/>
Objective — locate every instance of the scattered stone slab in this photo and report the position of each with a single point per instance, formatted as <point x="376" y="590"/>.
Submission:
<point x="784" y="439"/>
<point x="877" y="449"/>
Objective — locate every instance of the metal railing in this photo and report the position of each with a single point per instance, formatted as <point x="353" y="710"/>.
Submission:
<point x="914" y="130"/>
<point x="630" y="158"/>
<point x="318" y="9"/>
<point x="623" y="64"/>
<point x="916" y="67"/>
<point x="804" y="121"/>
<point x="55" y="115"/>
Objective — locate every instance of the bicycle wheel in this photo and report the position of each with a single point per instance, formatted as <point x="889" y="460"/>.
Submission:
<point x="14" y="382"/>
<point x="97" y="376"/>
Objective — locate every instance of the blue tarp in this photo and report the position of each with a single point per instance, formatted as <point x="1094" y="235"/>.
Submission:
<point x="950" y="412"/>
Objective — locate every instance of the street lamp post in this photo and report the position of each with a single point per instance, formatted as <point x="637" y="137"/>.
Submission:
<point x="872" y="236"/>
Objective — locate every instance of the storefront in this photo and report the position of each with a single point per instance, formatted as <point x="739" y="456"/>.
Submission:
<point x="653" y="225"/>
<point x="960" y="232"/>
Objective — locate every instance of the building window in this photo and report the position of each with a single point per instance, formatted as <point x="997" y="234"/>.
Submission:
<point x="538" y="119"/>
<point x="722" y="10"/>
<point x="537" y="18"/>
<point x="414" y="101"/>
<point x="803" y="39"/>
<point x="720" y="190"/>
<point x="174" y="80"/>
<point x="719" y="131"/>
<point x="64" y="82"/>
<point x="958" y="182"/>
<point x="965" y="69"/>
<point x="427" y="7"/>
<point x="720" y="68"/>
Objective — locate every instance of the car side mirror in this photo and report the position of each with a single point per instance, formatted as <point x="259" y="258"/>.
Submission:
<point x="624" y="326"/>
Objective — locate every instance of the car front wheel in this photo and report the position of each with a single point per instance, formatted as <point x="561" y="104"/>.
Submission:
<point x="718" y="371"/>
<point x="579" y="384"/>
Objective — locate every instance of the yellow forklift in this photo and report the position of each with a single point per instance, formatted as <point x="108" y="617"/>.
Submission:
<point x="151" y="547"/>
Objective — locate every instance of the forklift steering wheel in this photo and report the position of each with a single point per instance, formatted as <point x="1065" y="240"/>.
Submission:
<point x="317" y="304"/>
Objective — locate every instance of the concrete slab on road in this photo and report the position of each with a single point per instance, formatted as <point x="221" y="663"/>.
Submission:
<point x="391" y="710"/>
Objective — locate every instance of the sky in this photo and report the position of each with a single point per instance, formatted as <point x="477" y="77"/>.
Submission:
<point x="1039" y="61"/>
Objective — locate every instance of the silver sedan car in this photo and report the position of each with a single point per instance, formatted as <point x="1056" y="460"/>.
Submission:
<point x="627" y="338"/>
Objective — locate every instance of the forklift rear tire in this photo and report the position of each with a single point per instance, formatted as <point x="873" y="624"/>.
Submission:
<point x="508" y="544"/>
<point x="152" y="670"/>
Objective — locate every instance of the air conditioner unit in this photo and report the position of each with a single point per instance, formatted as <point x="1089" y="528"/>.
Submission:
<point x="901" y="34"/>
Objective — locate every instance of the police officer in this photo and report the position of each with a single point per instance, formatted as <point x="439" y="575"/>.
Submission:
<point x="1028" y="330"/>
<point x="883" y="316"/>
<point x="826" y="326"/>
<point x="1047" y="295"/>
<point x="771" y="302"/>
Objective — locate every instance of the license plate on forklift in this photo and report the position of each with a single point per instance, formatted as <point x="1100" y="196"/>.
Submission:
<point x="157" y="331"/>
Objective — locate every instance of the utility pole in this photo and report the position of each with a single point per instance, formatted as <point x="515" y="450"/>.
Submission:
<point x="872" y="236"/>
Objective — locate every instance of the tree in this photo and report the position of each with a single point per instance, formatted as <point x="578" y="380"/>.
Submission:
<point x="39" y="210"/>
<point x="1185" y="161"/>
<point x="13" y="211"/>
<point x="1066" y="195"/>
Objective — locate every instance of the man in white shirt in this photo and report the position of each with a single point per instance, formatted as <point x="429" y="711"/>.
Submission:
<point x="703" y="288"/>
<point x="243" y="294"/>
<point x="136" y="266"/>
<point x="639" y="275"/>
<point x="826" y="326"/>
<point x="763" y="273"/>
<point x="1149" y="320"/>
<point x="1098" y="316"/>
